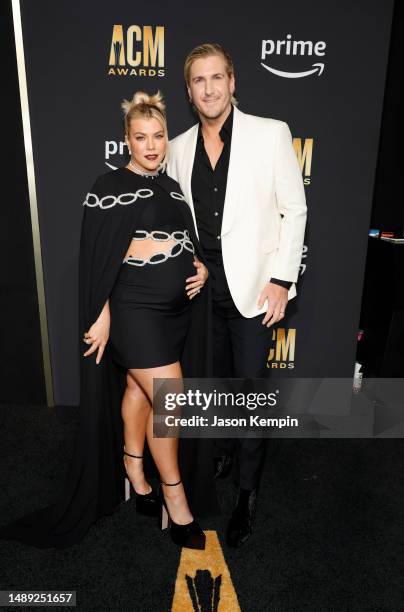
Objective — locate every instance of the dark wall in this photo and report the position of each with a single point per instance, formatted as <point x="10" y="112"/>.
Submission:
<point x="21" y="372"/>
<point x="388" y="207"/>
<point x="76" y="115"/>
<point x="381" y="350"/>
<point x="75" y="112"/>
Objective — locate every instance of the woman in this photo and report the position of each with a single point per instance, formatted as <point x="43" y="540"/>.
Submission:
<point x="143" y="309"/>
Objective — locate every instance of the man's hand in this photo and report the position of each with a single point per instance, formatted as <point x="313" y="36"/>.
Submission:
<point x="277" y="298"/>
<point x="194" y="284"/>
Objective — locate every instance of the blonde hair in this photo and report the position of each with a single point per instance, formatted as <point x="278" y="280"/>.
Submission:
<point x="147" y="107"/>
<point x="207" y="50"/>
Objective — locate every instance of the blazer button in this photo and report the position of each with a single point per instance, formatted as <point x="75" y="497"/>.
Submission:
<point x="218" y="237"/>
<point x="216" y="213"/>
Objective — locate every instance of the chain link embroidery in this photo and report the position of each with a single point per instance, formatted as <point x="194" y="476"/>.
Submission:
<point x="182" y="242"/>
<point x="177" y="196"/>
<point x="123" y="199"/>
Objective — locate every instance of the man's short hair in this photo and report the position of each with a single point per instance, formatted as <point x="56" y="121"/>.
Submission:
<point x="206" y="50"/>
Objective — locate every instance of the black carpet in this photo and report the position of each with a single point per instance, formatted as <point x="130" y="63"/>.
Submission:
<point x="328" y="535"/>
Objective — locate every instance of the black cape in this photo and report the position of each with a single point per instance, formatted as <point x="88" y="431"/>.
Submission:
<point x="94" y="485"/>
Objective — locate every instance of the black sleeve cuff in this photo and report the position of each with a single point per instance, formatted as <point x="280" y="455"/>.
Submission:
<point x="282" y="283"/>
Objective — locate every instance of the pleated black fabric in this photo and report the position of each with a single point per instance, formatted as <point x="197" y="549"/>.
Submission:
<point x="95" y="481"/>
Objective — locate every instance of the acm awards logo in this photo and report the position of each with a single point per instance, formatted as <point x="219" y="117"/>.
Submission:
<point x="273" y="53"/>
<point x="304" y="152"/>
<point x="281" y="354"/>
<point x="138" y="51"/>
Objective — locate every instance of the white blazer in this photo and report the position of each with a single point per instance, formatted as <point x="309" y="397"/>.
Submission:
<point x="265" y="210"/>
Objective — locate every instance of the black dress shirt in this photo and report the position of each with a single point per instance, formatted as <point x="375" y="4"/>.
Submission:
<point x="208" y="193"/>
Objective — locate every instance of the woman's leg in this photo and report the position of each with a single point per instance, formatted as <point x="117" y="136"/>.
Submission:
<point x="165" y="450"/>
<point x="135" y="412"/>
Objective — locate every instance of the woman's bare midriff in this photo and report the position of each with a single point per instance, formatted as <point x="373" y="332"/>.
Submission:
<point x="143" y="249"/>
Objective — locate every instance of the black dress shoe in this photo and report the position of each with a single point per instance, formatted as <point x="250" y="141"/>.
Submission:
<point x="189" y="535"/>
<point x="147" y="504"/>
<point x="239" y="528"/>
<point x="223" y="465"/>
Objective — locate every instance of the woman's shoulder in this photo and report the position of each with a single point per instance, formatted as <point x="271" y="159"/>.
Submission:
<point x="170" y="181"/>
<point x="170" y="185"/>
<point x="119" y="186"/>
<point x="112" y="182"/>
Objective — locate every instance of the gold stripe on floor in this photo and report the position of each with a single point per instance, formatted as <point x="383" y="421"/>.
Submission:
<point x="203" y="580"/>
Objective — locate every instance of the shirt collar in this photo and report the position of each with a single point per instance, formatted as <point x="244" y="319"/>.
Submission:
<point x="226" y="129"/>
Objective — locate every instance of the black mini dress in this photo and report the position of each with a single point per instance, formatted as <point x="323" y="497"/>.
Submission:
<point x="149" y="305"/>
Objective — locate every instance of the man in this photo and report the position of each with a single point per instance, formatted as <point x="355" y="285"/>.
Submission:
<point x="240" y="175"/>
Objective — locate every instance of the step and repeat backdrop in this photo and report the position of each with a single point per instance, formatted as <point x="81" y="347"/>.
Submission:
<point x="319" y="66"/>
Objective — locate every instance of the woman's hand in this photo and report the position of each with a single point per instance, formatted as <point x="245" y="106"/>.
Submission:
<point x="195" y="283"/>
<point x="98" y="334"/>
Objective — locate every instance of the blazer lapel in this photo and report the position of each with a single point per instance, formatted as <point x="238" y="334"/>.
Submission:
<point x="234" y="175"/>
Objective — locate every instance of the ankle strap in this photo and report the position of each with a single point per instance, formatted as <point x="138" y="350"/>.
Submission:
<point x="135" y="456"/>
<point x="169" y="484"/>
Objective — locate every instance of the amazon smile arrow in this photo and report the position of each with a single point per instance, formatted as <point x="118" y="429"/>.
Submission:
<point x="317" y="68"/>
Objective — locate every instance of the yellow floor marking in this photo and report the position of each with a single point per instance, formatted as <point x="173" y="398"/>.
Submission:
<point x="216" y="585"/>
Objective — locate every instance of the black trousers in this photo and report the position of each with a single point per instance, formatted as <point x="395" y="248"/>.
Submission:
<point x="240" y="350"/>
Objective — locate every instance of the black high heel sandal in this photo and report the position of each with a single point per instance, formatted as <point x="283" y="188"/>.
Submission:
<point x="189" y="535"/>
<point x="147" y="504"/>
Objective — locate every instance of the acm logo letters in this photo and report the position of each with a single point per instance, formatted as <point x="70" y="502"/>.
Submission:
<point x="281" y="354"/>
<point x="304" y="153"/>
<point x="137" y="52"/>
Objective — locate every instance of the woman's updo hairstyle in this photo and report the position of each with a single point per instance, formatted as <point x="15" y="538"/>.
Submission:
<point x="143" y="106"/>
